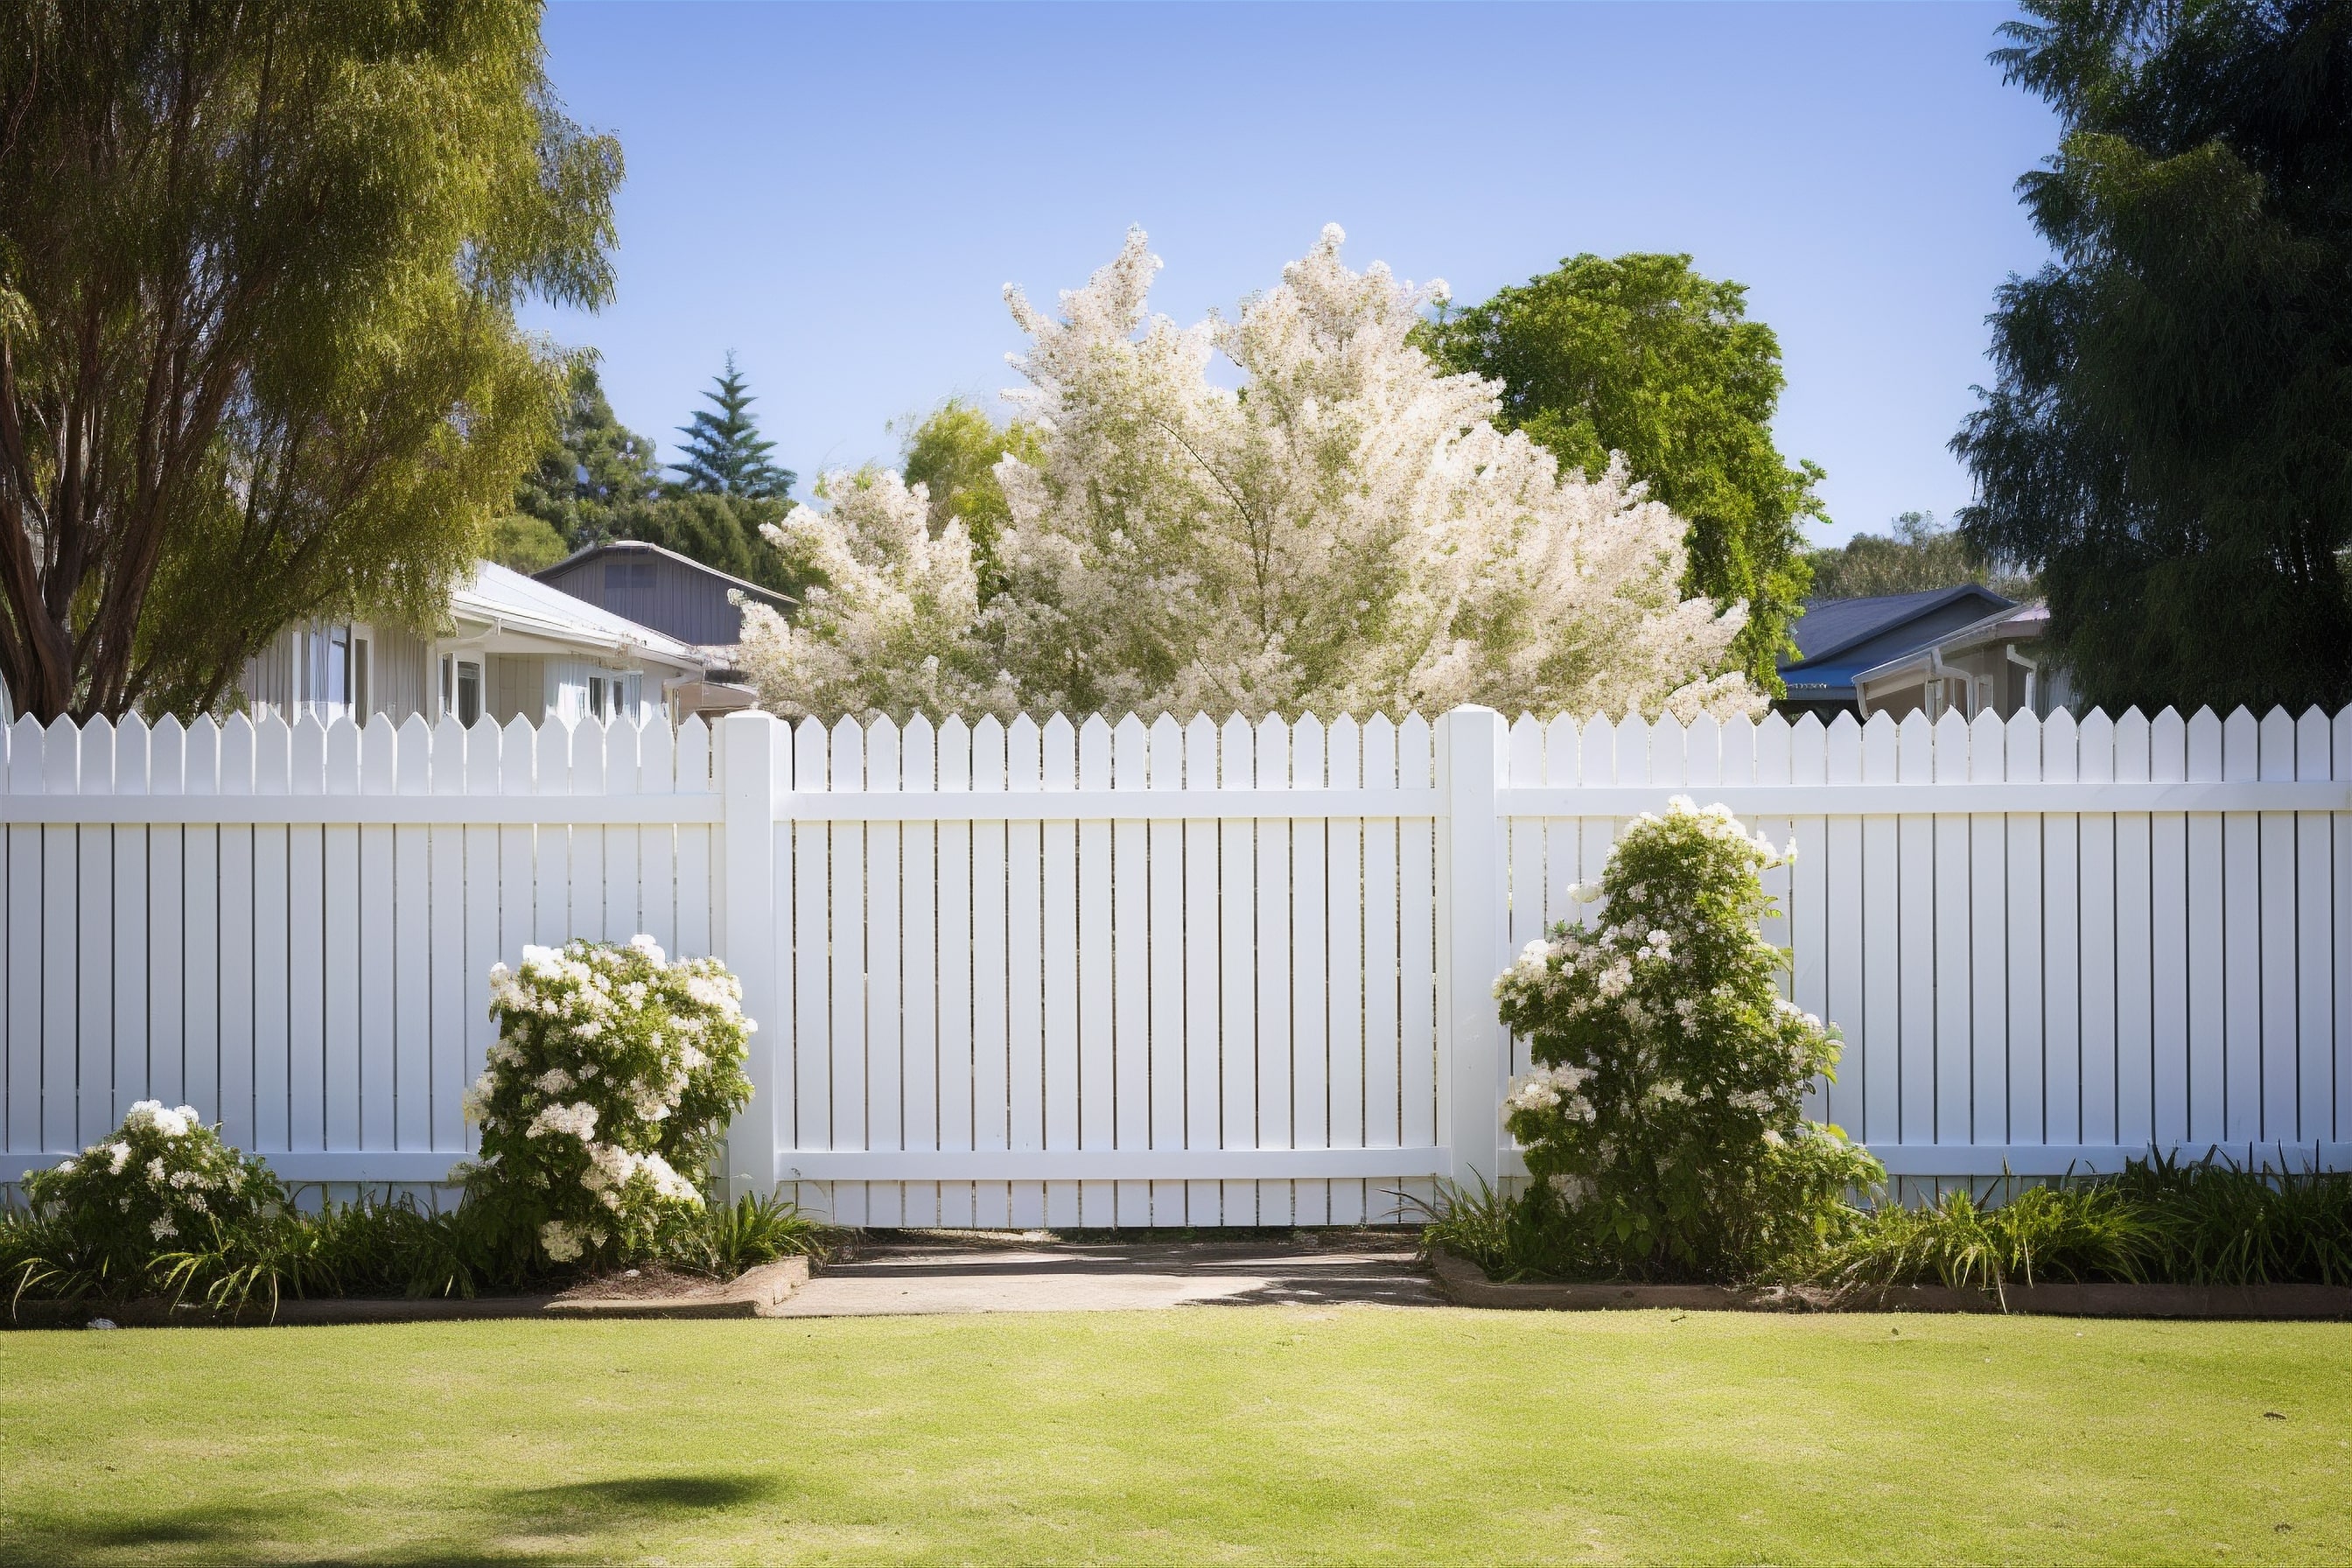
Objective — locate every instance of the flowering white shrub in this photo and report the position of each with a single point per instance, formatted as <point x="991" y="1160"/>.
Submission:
<point x="611" y="1082"/>
<point x="1346" y="531"/>
<point x="160" y="1182"/>
<point x="1664" y="1110"/>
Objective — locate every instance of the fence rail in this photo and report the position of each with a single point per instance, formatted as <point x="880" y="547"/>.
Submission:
<point x="1176" y="974"/>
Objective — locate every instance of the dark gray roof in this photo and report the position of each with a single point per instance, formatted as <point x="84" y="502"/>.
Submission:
<point x="637" y="546"/>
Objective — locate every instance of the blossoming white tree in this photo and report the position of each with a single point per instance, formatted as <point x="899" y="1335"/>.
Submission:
<point x="1346" y="531"/>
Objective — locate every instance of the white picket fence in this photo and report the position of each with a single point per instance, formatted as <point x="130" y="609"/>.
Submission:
<point x="1173" y="974"/>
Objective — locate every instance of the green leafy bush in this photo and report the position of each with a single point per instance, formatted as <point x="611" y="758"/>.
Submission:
<point x="103" y="1223"/>
<point x="1664" y="1112"/>
<point x="2208" y="1223"/>
<point x="606" y="1094"/>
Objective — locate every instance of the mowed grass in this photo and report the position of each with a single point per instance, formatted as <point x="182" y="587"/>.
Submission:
<point x="1205" y="1436"/>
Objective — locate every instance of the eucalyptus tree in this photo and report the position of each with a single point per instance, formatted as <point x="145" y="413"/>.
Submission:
<point x="259" y="265"/>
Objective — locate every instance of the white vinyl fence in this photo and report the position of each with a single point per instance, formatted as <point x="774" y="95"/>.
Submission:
<point x="1168" y="975"/>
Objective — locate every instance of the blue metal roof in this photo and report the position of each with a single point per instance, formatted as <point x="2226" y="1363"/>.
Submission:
<point x="1838" y="639"/>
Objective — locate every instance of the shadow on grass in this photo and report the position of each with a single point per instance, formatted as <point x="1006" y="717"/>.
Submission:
<point x="560" y="1524"/>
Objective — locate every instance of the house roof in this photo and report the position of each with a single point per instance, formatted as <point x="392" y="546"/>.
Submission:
<point x="639" y="547"/>
<point x="515" y="602"/>
<point x="2018" y="624"/>
<point x="1838" y="639"/>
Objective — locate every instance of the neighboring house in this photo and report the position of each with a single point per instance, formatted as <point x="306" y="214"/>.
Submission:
<point x="662" y="589"/>
<point x="1965" y="650"/>
<point x="510" y="647"/>
<point x="674" y="594"/>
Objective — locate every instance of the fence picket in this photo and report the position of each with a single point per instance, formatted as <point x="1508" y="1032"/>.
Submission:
<point x="959" y="1032"/>
<point x="919" y="1116"/>
<point x="1095" y="1089"/>
<point x="991" y="1046"/>
<point x="1134" y="892"/>
<point x="1059" y="950"/>
<point x="1166" y="980"/>
<point x="1344" y="762"/>
<point x="1310" y="1047"/>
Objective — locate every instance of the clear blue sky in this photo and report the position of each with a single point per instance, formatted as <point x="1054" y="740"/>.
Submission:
<point x="839" y="193"/>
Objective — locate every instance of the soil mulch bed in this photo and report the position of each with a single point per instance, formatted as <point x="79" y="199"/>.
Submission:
<point x="1467" y="1285"/>
<point x="637" y="1293"/>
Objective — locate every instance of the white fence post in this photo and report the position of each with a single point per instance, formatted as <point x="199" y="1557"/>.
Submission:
<point x="1469" y="942"/>
<point x="749" y="759"/>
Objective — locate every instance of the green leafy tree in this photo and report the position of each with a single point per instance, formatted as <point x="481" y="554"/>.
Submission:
<point x="715" y="530"/>
<point x="954" y="452"/>
<point x="725" y="454"/>
<point x="1918" y="553"/>
<point x="524" y="543"/>
<point x="1644" y="356"/>
<point x="594" y="472"/>
<point x="2169" y="442"/>
<point x="258" y="272"/>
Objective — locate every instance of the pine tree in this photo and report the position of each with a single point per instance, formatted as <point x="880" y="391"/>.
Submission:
<point x="724" y="453"/>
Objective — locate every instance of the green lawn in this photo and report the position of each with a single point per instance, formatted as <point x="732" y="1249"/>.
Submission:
<point x="1206" y="1435"/>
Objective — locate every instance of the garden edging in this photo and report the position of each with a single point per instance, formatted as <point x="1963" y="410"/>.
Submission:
<point x="757" y="1292"/>
<point x="1467" y="1285"/>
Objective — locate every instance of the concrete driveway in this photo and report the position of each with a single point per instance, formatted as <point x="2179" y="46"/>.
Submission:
<point x="918" y="1275"/>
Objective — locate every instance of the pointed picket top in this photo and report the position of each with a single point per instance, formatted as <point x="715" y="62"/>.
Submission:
<point x="130" y="751"/>
<point x="1415" y="758"/>
<point x="1951" y="747"/>
<point x="955" y="753"/>
<point x="2240" y="745"/>
<point x="1199" y="753"/>
<point x="2276" y="745"/>
<point x="1736" y="746"/>
<point x="1632" y="750"/>
<point x="2097" y="749"/>
<point x="518" y="756"/>
<point x="1881" y="751"/>
<point x="2058" y="739"/>
<point x="1703" y="751"/>
<point x="691" y="757"/>
<point x="1167" y="765"/>
<point x="1022" y="762"/>
<point x="1841" y="747"/>
<point x="988" y="754"/>
<point x="1915" y="747"/>
<point x="882" y="756"/>
<point x="1669" y="754"/>
<point x="239" y="764"/>
<point x="811" y="757"/>
<point x="412" y="762"/>
<point x="588" y="756"/>
<point x="1808" y="745"/>
<point x="456" y="769"/>
<point x="1525" y="751"/>
<point x="1987" y="747"/>
<point x="1130" y="754"/>
<point x="656" y="757"/>
<point x="2343" y="749"/>
<point x="1773" y="738"/>
<point x="623" y="749"/>
<point x="97" y="756"/>
<point x="2203" y="748"/>
<point x="1094" y="752"/>
<point x="1273" y="740"/>
<point x="1343" y="753"/>
<point x="2311" y="745"/>
<point x="200" y="757"/>
<point x="273" y="754"/>
<point x="1380" y="752"/>
<point x="2168" y="745"/>
<point x="167" y="757"/>
<point x="918" y="754"/>
<point x="26" y="743"/>
<point x="1238" y="757"/>
<point x="1059" y="744"/>
<point x="2019" y="736"/>
<point x="1306" y="764"/>
<point x="61" y="771"/>
<point x="552" y="758"/>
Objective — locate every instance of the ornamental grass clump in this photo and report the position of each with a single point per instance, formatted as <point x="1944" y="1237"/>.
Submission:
<point x="108" y="1222"/>
<point x="1665" y="1111"/>
<point x="607" y="1092"/>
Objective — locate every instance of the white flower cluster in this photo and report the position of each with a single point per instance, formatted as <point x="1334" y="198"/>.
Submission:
<point x="178" y="1170"/>
<point x="602" y="1051"/>
<point x="1347" y="531"/>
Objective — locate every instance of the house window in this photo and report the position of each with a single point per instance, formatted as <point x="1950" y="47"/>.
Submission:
<point x="361" y="705"/>
<point x="595" y="697"/>
<point x="469" y="692"/>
